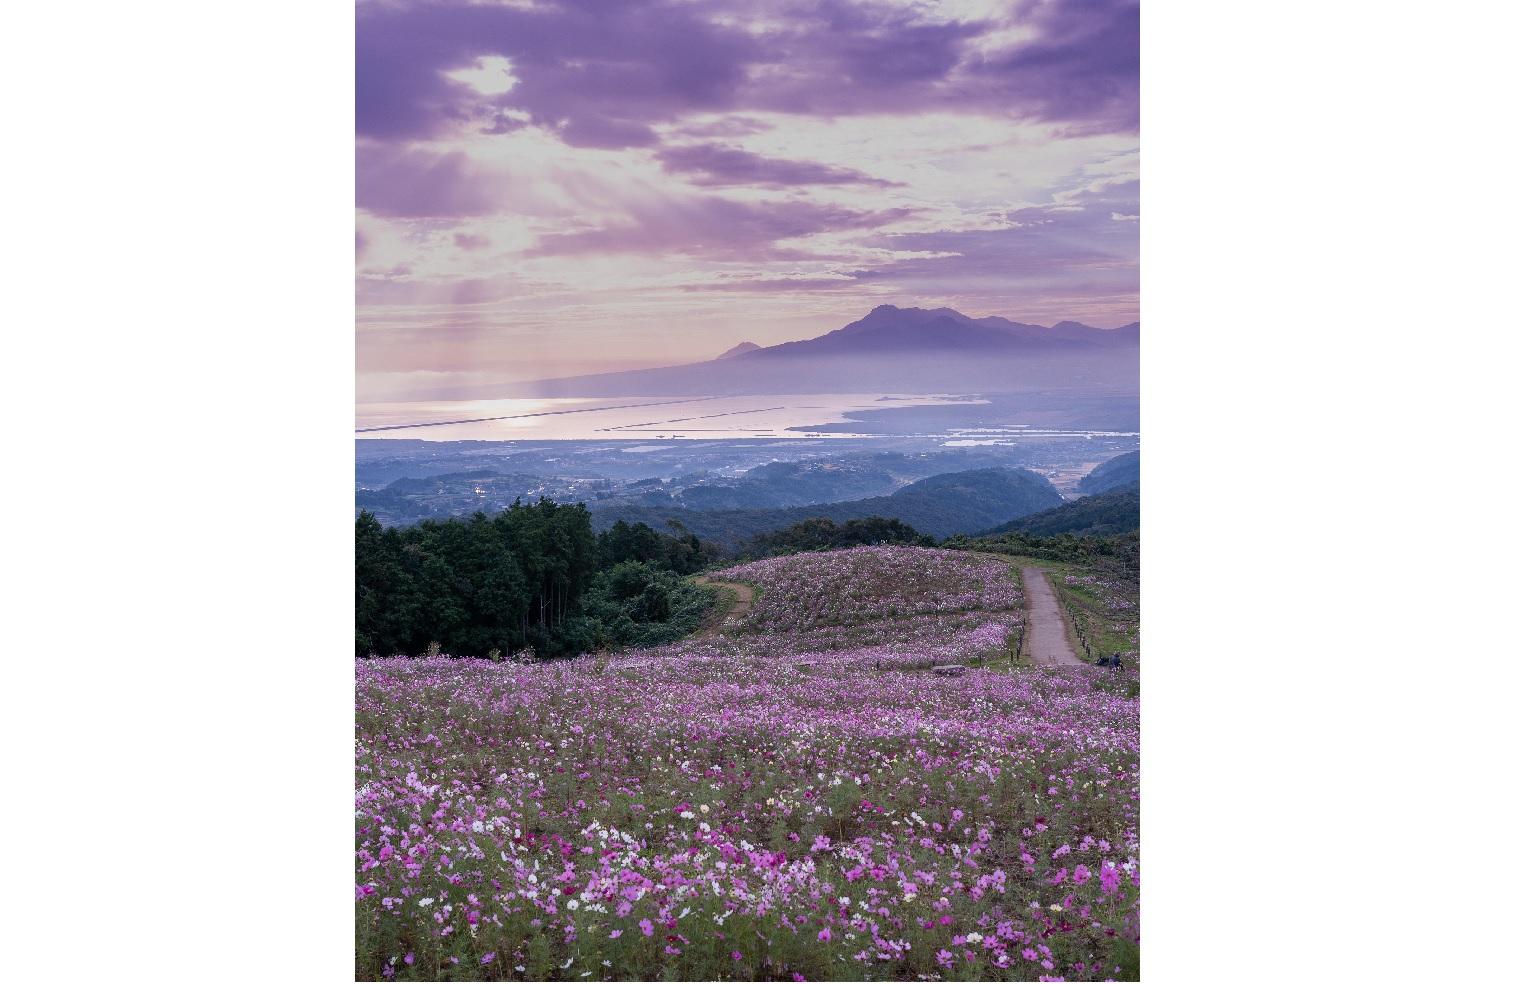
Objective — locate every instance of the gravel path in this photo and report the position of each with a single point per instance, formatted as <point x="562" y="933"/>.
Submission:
<point x="741" y="606"/>
<point x="1048" y="645"/>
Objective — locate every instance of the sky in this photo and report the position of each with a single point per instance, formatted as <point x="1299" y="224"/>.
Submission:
<point x="556" y="187"/>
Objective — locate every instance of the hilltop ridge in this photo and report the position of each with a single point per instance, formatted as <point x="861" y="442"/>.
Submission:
<point x="892" y="349"/>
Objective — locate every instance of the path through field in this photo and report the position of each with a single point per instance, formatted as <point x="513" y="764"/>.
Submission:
<point x="746" y="598"/>
<point x="1048" y="645"/>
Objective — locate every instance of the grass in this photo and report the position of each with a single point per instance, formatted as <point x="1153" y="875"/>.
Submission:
<point x="1087" y="608"/>
<point x="724" y="600"/>
<point x="1091" y="614"/>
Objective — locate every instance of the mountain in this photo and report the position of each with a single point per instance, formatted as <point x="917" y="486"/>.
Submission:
<point x="941" y="505"/>
<point x="1103" y="514"/>
<point x="739" y="349"/>
<point x="1112" y="474"/>
<point x="793" y="483"/>
<point x="943" y="330"/>
<point x="893" y="350"/>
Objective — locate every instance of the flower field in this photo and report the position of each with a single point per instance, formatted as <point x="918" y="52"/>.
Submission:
<point x="774" y="803"/>
<point x="866" y="584"/>
<point x="1105" y="611"/>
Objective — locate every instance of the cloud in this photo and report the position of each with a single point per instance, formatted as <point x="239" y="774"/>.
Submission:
<point x="416" y="183"/>
<point x="603" y="74"/>
<point x="1082" y="67"/>
<point x="716" y="228"/>
<point x="713" y="164"/>
<point x="598" y="73"/>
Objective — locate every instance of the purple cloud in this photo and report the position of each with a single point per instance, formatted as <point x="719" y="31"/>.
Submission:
<point x="1082" y="68"/>
<point x="604" y="74"/>
<point x="409" y="183"/>
<point x="713" y="165"/>
<point x="717" y="228"/>
<point x="602" y="71"/>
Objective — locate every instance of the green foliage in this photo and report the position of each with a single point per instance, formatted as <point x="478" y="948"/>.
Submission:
<point x="636" y="604"/>
<point x="1102" y="514"/>
<point x="520" y="579"/>
<point x="1115" y="473"/>
<point x="1119" y="555"/>
<point x="822" y="533"/>
<point x="682" y="552"/>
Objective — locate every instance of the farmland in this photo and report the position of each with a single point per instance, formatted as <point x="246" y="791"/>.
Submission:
<point x="793" y="798"/>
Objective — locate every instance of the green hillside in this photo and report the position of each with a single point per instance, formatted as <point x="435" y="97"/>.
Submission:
<point x="1104" y="514"/>
<point x="1115" y="473"/>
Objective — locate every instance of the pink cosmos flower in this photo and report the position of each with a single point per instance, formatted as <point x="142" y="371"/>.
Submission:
<point x="647" y="927"/>
<point x="825" y="935"/>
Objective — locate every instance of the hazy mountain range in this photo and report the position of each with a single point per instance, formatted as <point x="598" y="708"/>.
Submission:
<point x="958" y="502"/>
<point x="892" y="349"/>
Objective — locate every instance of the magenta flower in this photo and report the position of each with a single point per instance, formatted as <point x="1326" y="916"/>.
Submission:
<point x="566" y="834"/>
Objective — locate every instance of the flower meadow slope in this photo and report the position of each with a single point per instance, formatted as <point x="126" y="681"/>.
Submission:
<point x="866" y="584"/>
<point x="709" y="811"/>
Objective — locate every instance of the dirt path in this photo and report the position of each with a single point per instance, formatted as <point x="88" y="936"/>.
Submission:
<point x="1048" y="645"/>
<point x="746" y="598"/>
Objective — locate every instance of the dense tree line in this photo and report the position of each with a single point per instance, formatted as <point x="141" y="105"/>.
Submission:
<point x="822" y="533"/>
<point x="537" y="577"/>
<point x="532" y="576"/>
<point x="1101" y="514"/>
<point x="1118" y="555"/>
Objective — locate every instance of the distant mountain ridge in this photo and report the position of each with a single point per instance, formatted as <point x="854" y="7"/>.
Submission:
<point x="888" y="328"/>
<point x="1104" y="514"/>
<point x="1112" y="474"/>
<point x="941" y="505"/>
<point x="893" y="350"/>
<point x="740" y="349"/>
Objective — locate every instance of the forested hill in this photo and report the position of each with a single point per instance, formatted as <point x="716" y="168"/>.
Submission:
<point x="1114" y="473"/>
<point x="1104" y="514"/>
<point x="941" y="505"/>
<point x="530" y="576"/>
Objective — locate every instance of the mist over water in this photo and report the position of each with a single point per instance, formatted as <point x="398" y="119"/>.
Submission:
<point x="635" y="418"/>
